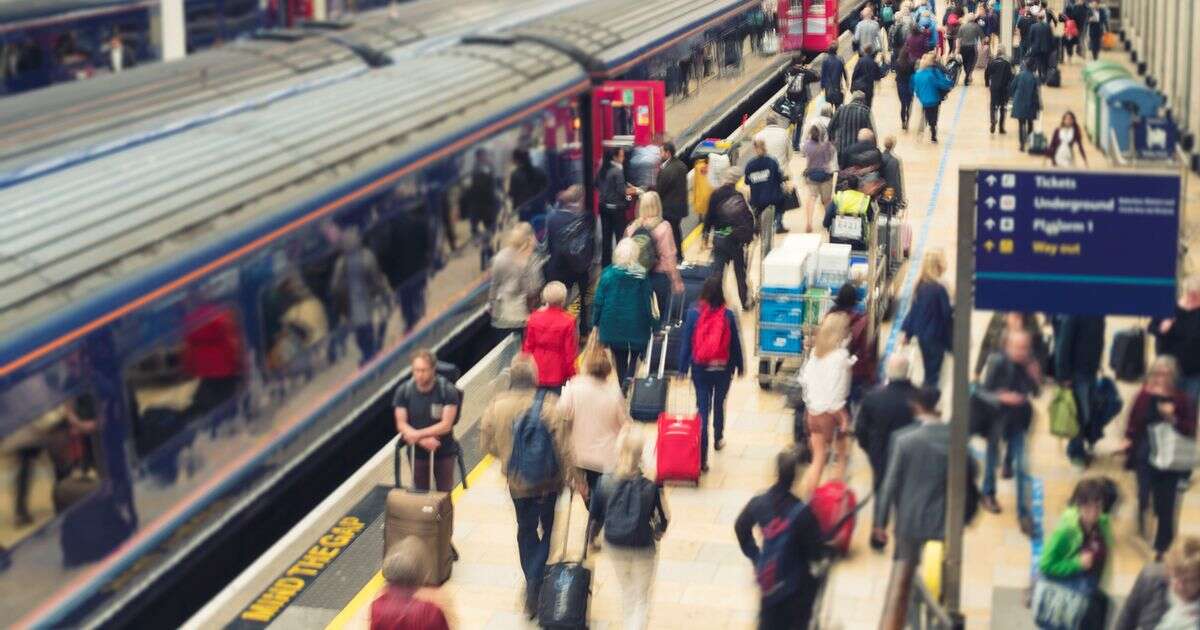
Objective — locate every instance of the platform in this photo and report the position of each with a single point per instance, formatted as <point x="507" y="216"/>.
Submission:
<point x="702" y="579"/>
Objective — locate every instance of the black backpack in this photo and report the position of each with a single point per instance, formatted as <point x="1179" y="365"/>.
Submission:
<point x="628" y="512"/>
<point x="647" y="250"/>
<point x="576" y="243"/>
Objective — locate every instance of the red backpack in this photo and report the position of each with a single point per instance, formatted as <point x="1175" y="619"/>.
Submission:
<point x="710" y="342"/>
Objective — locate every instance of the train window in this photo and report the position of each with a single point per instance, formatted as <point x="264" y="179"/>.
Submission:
<point x="53" y="461"/>
<point x="197" y="376"/>
<point x="296" y="328"/>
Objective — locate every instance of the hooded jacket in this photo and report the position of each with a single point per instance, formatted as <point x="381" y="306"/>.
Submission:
<point x="622" y="307"/>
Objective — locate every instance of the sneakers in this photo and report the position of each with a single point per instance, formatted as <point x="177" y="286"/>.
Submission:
<point x="720" y="444"/>
<point x="703" y="468"/>
<point x="1026" y="524"/>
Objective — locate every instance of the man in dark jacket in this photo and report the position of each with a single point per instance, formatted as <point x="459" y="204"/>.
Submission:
<point x="799" y="78"/>
<point x="866" y="73"/>
<point x="847" y="122"/>
<point x="1041" y="45"/>
<point x="884" y="411"/>
<point x="1012" y="379"/>
<point x="892" y="170"/>
<point x="790" y="603"/>
<point x="998" y="78"/>
<point x="731" y="222"/>
<point x="571" y="246"/>
<point x="864" y="154"/>
<point x="672" y="189"/>
<point x="1078" y="346"/>
<point x="766" y="184"/>
<point x="833" y="76"/>
<point x="526" y="186"/>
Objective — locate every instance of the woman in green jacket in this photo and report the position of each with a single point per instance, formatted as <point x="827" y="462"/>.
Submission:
<point x="1081" y="547"/>
<point x="622" y="311"/>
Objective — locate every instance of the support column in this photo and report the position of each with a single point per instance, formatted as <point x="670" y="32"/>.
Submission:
<point x="1007" y="12"/>
<point x="172" y="30"/>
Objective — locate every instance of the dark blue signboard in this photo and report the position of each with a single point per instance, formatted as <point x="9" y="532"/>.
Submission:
<point x="1155" y="138"/>
<point x="1076" y="242"/>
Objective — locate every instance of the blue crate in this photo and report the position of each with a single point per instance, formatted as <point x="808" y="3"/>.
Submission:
<point x="857" y="259"/>
<point x="793" y="292"/>
<point x="776" y="311"/>
<point x="780" y="339"/>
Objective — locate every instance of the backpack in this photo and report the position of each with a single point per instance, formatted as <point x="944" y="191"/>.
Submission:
<point x="741" y="223"/>
<point x="576" y="243"/>
<point x="887" y="13"/>
<point x="628" y="512"/>
<point x="777" y="570"/>
<point x="647" y="251"/>
<point x="710" y="342"/>
<point x="1071" y="30"/>
<point x="952" y="20"/>
<point x="444" y="386"/>
<point x="533" y="461"/>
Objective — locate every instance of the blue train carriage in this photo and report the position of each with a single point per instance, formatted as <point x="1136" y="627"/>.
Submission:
<point x="177" y="341"/>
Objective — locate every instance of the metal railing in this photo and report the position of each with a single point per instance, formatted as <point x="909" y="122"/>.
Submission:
<point x="924" y="613"/>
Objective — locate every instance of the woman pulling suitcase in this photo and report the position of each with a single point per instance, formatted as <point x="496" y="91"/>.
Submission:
<point x="711" y="348"/>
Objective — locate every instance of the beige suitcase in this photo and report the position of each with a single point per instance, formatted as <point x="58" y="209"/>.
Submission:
<point x="428" y="515"/>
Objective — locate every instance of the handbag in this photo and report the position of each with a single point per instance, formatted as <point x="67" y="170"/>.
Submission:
<point x="1170" y="449"/>
<point x="791" y="200"/>
<point x="1064" y="416"/>
<point x="1061" y="603"/>
<point x="818" y="175"/>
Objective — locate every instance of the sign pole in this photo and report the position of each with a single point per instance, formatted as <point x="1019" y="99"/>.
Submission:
<point x="956" y="474"/>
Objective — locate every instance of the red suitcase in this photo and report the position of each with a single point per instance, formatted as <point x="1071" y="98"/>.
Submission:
<point x="831" y="503"/>
<point x="678" y="448"/>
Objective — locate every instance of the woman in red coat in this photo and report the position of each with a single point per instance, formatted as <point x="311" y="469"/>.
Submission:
<point x="552" y="338"/>
<point x="1158" y="401"/>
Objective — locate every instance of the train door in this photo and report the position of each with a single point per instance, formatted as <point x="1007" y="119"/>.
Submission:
<point x="808" y="25"/>
<point x="629" y="114"/>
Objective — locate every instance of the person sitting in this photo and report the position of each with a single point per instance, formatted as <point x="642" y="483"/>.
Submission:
<point x="849" y="215"/>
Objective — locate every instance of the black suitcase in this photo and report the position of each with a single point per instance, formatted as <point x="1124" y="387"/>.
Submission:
<point x="693" y="276"/>
<point x="673" y="323"/>
<point x="648" y="397"/>
<point x="566" y="588"/>
<point x="1053" y="78"/>
<point x="1127" y="358"/>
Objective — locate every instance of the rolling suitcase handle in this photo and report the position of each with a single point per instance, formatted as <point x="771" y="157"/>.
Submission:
<point x="412" y="456"/>
<point x="567" y="531"/>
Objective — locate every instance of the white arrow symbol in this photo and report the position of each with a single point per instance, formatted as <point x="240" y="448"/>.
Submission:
<point x="990" y="223"/>
<point x="991" y="180"/>
<point x="991" y="202"/>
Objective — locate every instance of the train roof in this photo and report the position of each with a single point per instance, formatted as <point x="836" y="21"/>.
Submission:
<point x="12" y="12"/>
<point x="74" y="117"/>
<point x="160" y="210"/>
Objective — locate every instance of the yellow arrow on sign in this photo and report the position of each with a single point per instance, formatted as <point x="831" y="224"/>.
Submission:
<point x="989" y="245"/>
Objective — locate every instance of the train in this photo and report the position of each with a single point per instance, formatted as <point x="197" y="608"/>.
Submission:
<point x="182" y="323"/>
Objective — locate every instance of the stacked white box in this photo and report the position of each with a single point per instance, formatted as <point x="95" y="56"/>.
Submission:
<point x="808" y="244"/>
<point x="784" y="269"/>
<point x="833" y="265"/>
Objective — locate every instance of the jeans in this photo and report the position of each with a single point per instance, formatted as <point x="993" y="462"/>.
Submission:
<point x="364" y="336"/>
<point x="626" y="360"/>
<point x="660" y="283"/>
<point x="612" y="230"/>
<point x="712" y="386"/>
<point x="998" y="109"/>
<point x="797" y="124"/>
<point x="1015" y="437"/>
<point x="677" y="232"/>
<point x="793" y="613"/>
<point x="1159" y="488"/>
<point x="1083" y="386"/>
<point x="533" y="546"/>
<point x="726" y="251"/>
<point x="970" y="54"/>
<point x="1024" y="128"/>
<point x="635" y="573"/>
<point x="932" y="356"/>
<point x="931" y="117"/>
<point x="905" y="93"/>
<point x="411" y="294"/>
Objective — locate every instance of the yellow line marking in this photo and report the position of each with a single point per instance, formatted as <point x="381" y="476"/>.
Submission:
<point x="368" y="592"/>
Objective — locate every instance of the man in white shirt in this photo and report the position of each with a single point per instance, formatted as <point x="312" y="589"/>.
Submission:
<point x="775" y="137"/>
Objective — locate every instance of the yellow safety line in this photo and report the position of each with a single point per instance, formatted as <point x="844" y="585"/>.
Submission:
<point x="371" y="589"/>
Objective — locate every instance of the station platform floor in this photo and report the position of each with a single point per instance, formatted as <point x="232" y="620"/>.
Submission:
<point x="702" y="580"/>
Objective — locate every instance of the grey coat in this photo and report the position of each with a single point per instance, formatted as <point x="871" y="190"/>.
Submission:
<point x="915" y="483"/>
<point x="1147" y="602"/>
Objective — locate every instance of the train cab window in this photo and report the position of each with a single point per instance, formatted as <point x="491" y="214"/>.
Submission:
<point x="52" y="460"/>
<point x="186" y="381"/>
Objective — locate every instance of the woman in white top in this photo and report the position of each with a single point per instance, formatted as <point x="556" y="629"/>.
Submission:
<point x="826" y="382"/>
<point x="1066" y="139"/>
<point x="595" y="408"/>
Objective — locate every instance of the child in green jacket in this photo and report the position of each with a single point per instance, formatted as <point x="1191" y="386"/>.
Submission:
<point x="1081" y="546"/>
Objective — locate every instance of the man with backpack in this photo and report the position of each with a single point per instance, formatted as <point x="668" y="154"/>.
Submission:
<point x="521" y="429"/>
<point x="791" y="541"/>
<point x="798" y="79"/>
<point x="731" y="223"/>
<point x="426" y="408"/>
<point x="571" y="246"/>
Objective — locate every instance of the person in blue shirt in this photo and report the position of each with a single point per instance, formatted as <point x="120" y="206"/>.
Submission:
<point x="931" y="85"/>
<point x="766" y="184"/>
<point x="930" y="319"/>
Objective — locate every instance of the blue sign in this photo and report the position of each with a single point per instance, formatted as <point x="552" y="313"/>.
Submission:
<point x="1076" y="242"/>
<point x="1155" y="138"/>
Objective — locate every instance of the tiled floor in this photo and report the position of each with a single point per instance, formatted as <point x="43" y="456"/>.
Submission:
<point x="702" y="579"/>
